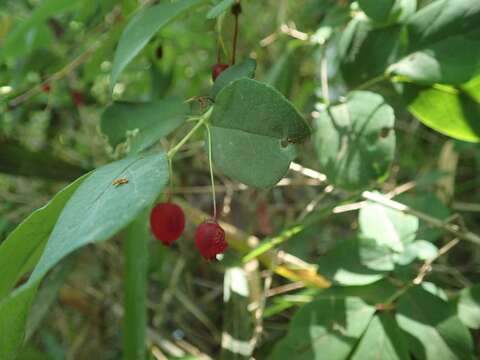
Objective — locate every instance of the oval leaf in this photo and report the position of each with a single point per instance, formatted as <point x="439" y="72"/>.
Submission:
<point x="254" y="129"/>
<point x="144" y="24"/>
<point x="355" y="141"/>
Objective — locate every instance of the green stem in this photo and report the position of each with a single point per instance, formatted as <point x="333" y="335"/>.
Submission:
<point x="171" y="153"/>
<point x="135" y="288"/>
<point x="210" y="166"/>
<point x="371" y="82"/>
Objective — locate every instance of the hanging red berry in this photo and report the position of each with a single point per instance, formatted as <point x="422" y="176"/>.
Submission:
<point x="218" y="69"/>
<point x="167" y="222"/>
<point x="210" y="239"/>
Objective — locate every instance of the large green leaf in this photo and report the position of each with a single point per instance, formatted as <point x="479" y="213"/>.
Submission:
<point x="448" y="110"/>
<point x="355" y="140"/>
<point x="245" y="68"/>
<point x="144" y="24"/>
<point x="22" y="249"/>
<point x="142" y="124"/>
<point x="254" y="132"/>
<point x="96" y="211"/>
<point x="382" y="340"/>
<point x="469" y="307"/>
<point x="327" y="328"/>
<point x="432" y="329"/>
<point x="99" y="209"/>
<point x="366" y="51"/>
<point x="443" y="43"/>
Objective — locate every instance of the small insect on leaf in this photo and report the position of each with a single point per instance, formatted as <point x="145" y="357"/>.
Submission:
<point x="121" y="181"/>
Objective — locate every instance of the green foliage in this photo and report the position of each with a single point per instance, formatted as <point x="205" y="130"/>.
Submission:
<point x="253" y="123"/>
<point x="446" y="109"/>
<point x="140" y="125"/>
<point x="382" y="340"/>
<point x="142" y="27"/>
<point x="359" y="69"/>
<point x="326" y="328"/>
<point x="469" y="307"/>
<point x="436" y="333"/>
<point x="355" y="140"/>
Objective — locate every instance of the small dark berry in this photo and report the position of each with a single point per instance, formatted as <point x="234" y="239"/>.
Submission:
<point x="210" y="239"/>
<point x="217" y="70"/>
<point x="77" y="98"/>
<point x="46" y="87"/>
<point x="167" y="222"/>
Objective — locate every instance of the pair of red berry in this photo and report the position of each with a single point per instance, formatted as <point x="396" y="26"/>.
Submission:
<point x="167" y="222"/>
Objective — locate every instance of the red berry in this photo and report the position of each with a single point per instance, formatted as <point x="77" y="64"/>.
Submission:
<point x="167" y="222"/>
<point x="46" y="87"/>
<point x="210" y="239"/>
<point x="217" y="70"/>
<point x="77" y="98"/>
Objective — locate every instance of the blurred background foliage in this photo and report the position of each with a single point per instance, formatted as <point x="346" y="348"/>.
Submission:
<point x="50" y="137"/>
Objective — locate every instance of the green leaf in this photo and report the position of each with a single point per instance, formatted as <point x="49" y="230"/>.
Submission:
<point x="388" y="11"/>
<point x="325" y="329"/>
<point x="355" y="140"/>
<point x="99" y="209"/>
<point x="442" y="19"/>
<point x="141" y="125"/>
<point x="95" y="212"/>
<point x="144" y="24"/>
<point x="220" y="8"/>
<point x="22" y="249"/>
<point x="245" y="68"/>
<point x="452" y="60"/>
<point x="375" y="256"/>
<point x="344" y="264"/>
<point x="448" y="110"/>
<point x="382" y="340"/>
<point x="469" y="307"/>
<point x="254" y="132"/>
<point x="420" y="249"/>
<point x="443" y="43"/>
<point x="388" y="227"/>
<point x="433" y="331"/>
<point x="366" y="51"/>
